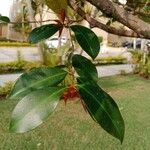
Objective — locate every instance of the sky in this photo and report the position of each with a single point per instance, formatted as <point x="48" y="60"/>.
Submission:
<point x="5" y="6"/>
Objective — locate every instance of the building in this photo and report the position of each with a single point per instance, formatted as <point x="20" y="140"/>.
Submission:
<point x="3" y="31"/>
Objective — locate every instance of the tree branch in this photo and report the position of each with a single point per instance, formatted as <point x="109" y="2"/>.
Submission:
<point x="123" y="16"/>
<point x="94" y="23"/>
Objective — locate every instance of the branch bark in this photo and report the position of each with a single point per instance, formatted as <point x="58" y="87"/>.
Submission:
<point x="94" y="23"/>
<point x="123" y="16"/>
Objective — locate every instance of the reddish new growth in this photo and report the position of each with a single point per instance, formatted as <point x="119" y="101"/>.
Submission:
<point x="70" y="94"/>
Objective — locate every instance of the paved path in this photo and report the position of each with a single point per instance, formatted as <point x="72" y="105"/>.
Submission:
<point x="102" y="72"/>
<point x="9" y="54"/>
<point x="8" y="77"/>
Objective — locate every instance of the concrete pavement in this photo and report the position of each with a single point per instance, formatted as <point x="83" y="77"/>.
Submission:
<point x="103" y="71"/>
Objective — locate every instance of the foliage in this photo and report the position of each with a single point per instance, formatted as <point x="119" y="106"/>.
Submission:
<point x="16" y="44"/>
<point x="88" y="41"/>
<point x="39" y="90"/>
<point x="141" y="6"/>
<point x="21" y="117"/>
<point x="102" y="108"/>
<point x="71" y="128"/>
<point x="4" y="19"/>
<point x="144" y="72"/>
<point x="9" y="67"/>
<point x="30" y="65"/>
<point x="142" y="68"/>
<point x="43" y="32"/>
<point x="110" y="60"/>
<point x="51" y="60"/>
<point x="43" y="77"/>
<point x="18" y="66"/>
<point x="136" y="55"/>
<point x="5" y="89"/>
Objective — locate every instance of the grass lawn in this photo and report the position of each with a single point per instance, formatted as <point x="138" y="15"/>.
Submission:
<point x="71" y="128"/>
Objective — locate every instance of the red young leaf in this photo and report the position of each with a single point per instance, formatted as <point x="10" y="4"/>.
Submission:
<point x="62" y="15"/>
<point x="70" y="94"/>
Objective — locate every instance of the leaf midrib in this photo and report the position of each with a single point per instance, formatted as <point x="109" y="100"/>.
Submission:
<point x="87" y="42"/>
<point x="101" y="107"/>
<point x="86" y="72"/>
<point x="38" y="106"/>
<point x="41" y="33"/>
<point x="27" y="88"/>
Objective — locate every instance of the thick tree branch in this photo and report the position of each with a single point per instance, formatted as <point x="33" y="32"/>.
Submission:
<point x="123" y="16"/>
<point x="94" y="23"/>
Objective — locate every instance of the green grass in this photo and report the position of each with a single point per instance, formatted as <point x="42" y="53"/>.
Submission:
<point x="71" y="128"/>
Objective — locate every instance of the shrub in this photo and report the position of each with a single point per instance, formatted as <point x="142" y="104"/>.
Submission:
<point x="141" y="68"/>
<point x="10" y="67"/>
<point x="136" y="56"/>
<point x="144" y="72"/>
<point x="30" y="65"/>
<point x="4" y="90"/>
<point x="110" y="60"/>
<point x="18" y="66"/>
<point x="16" y="44"/>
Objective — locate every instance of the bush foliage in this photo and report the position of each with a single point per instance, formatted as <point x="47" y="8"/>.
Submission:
<point x="18" y="66"/>
<point x="16" y="44"/>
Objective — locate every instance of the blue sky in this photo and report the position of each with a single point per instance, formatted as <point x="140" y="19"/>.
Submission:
<point x="4" y="7"/>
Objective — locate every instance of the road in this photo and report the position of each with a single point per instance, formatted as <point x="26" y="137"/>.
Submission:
<point x="103" y="71"/>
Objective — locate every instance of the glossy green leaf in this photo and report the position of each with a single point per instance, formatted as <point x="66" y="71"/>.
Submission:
<point x="43" y="32"/>
<point x="34" y="108"/>
<point x="4" y="19"/>
<point x="36" y="79"/>
<point x="84" y="67"/>
<point x="102" y="108"/>
<point x="87" y="39"/>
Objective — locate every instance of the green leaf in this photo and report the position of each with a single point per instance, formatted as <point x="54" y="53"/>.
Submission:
<point x="84" y="67"/>
<point x="102" y="108"/>
<point x="87" y="39"/>
<point x="36" y="79"/>
<point x="34" y="108"/>
<point x="4" y="19"/>
<point x="43" y="32"/>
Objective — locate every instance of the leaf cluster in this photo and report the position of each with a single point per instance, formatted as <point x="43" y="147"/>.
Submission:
<point x="40" y="90"/>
